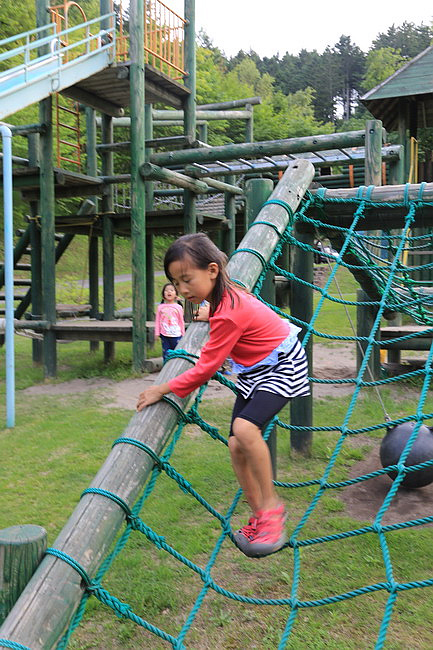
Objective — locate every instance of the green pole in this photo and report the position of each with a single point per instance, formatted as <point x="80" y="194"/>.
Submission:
<point x="107" y="235"/>
<point x="107" y="206"/>
<point x="203" y="132"/>
<point x="373" y="152"/>
<point x="403" y="138"/>
<point x="189" y="108"/>
<point x="47" y="208"/>
<point x="138" y="207"/>
<point x="150" y="269"/>
<point x="48" y="243"/>
<point x="365" y="318"/>
<point x="257" y="191"/>
<point x="396" y="169"/>
<point x="229" y="235"/>
<point x="35" y="243"/>
<point x="301" y="306"/>
<point x="92" y="170"/>
<point x="249" y="125"/>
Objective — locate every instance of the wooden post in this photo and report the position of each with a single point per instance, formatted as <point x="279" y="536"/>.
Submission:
<point x="373" y="152"/>
<point x="107" y="235"/>
<point x="229" y="235"/>
<point x="92" y="170"/>
<point x="21" y="550"/>
<point x="249" y="125"/>
<point x="396" y="177"/>
<point x="203" y="132"/>
<point x="301" y="306"/>
<point x="35" y="244"/>
<point x="365" y="317"/>
<point x="403" y="138"/>
<point x="257" y="191"/>
<point x="396" y="169"/>
<point x="138" y="207"/>
<point x="149" y="195"/>
<point x="45" y="607"/>
<point x="189" y="108"/>
<point x="107" y="206"/>
<point x="47" y="214"/>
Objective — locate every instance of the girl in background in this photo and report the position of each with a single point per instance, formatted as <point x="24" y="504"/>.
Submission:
<point x="169" y="322"/>
<point x="271" y="366"/>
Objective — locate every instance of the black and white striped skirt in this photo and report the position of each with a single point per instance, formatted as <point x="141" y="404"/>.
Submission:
<point x="288" y="377"/>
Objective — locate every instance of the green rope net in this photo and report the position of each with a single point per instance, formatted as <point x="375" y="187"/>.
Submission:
<point x="379" y="260"/>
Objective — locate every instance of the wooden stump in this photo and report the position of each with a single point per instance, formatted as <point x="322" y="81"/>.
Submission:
<point x="21" y="550"/>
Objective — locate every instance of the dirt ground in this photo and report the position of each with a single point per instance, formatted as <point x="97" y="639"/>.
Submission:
<point x="362" y="500"/>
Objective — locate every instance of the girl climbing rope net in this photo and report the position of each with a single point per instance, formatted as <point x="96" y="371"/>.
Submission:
<point x="271" y="367"/>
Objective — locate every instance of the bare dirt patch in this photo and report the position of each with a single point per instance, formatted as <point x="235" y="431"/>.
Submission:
<point x="364" y="500"/>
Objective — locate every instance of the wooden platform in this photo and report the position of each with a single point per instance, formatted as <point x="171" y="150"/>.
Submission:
<point x="112" y="88"/>
<point x="421" y="342"/>
<point x="94" y="330"/>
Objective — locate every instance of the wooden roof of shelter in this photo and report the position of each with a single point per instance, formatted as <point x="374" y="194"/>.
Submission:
<point x="410" y="87"/>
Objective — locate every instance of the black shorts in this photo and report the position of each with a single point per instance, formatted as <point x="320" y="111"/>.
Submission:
<point x="259" y="408"/>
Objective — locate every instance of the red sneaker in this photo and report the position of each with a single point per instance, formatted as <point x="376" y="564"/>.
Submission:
<point x="245" y="534"/>
<point x="269" y="535"/>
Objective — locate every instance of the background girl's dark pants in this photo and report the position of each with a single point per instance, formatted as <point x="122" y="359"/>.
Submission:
<point x="168" y="343"/>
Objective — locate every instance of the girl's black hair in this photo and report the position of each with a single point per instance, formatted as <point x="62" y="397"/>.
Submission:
<point x="202" y="252"/>
<point x="170" y="284"/>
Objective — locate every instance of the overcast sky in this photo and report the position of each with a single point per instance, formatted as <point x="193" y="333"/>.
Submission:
<point x="279" y="26"/>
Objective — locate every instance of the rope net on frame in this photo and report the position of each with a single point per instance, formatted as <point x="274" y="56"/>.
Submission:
<point x="380" y="259"/>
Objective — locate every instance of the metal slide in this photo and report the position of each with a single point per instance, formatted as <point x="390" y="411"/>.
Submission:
<point x="38" y="63"/>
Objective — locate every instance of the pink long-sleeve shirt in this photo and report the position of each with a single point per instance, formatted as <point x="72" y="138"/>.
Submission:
<point x="247" y="333"/>
<point x="169" y="320"/>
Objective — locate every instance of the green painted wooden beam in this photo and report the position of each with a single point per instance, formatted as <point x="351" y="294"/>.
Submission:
<point x="258" y="149"/>
<point x="162" y="115"/>
<point x="153" y="172"/>
<point x="235" y="103"/>
<point x="138" y="206"/>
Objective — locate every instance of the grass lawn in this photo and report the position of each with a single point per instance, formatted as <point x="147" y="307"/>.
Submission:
<point x="60" y="442"/>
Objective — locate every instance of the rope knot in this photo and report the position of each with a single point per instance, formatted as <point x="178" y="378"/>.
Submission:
<point x="293" y="543"/>
<point x="207" y="579"/>
<point x="377" y="527"/>
<point x="392" y="586"/>
<point x="401" y="468"/>
<point x="225" y="525"/>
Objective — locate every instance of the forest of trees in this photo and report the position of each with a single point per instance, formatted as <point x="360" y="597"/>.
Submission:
<point x="303" y="94"/>
<point x="310" y="92"/>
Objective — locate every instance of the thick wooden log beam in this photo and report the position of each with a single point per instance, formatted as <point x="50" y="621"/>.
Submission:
<point x="385" y="217"/>
<point x="44" y="609"/>
<point x="201" y="115"/>
<point x="155" y="173"/>
<point x="235" y="103"/>
<point x="260" y="149"/>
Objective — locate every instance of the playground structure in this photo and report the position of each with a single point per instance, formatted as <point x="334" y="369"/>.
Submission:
<point x="90" y="63"/>
<point x="196" y="172"/>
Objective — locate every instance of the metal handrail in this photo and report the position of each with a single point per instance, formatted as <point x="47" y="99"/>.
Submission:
<point x="163" y="38"/>
<point x="54" y="61"/>
<point x="54" y="40"/>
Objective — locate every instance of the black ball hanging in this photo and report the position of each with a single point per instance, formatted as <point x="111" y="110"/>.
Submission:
<point x="393" y="445"/>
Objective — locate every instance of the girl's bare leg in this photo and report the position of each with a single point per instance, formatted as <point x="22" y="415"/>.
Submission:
<point x="246" y="479"/>
<point x="253" y="465"/>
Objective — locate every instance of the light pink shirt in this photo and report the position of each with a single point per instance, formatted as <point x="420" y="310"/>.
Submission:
<point x="169" y="320"/>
